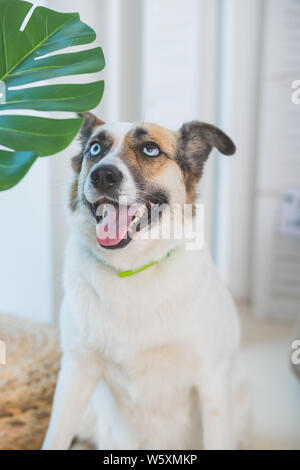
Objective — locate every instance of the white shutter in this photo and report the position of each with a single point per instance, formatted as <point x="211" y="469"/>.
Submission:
<point x="276" y="270"/>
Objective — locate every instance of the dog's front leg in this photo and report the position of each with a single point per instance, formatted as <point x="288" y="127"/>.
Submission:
<point x="217" y="411"/>
<point x="76" y="383"/>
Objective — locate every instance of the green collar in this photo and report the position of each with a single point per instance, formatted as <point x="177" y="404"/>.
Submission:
<point x="131" y="272"/>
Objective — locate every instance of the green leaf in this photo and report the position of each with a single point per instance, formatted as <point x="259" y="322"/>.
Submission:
<point x="58" y="65"/>
<point x="56" y="97"/>
<point x="13" y="166"/>
<point x="40" y="135"/>
<point x="47" y="31"/>
<point x="24" y="60"/>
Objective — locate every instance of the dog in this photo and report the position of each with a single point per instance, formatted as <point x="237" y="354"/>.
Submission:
<point x="150" y="334"/>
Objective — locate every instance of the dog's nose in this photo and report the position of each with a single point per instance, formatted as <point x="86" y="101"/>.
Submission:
<point x="106" y="178"/>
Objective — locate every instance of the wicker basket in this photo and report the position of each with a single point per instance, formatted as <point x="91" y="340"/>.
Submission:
<point x="27" y="382"/>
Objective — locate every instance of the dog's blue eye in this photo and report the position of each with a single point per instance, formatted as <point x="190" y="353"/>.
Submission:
<point x="95" y="149"/>
<point x="151" y="149"/>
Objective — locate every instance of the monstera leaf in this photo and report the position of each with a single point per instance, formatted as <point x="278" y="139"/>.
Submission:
<point x="25" y="59"/>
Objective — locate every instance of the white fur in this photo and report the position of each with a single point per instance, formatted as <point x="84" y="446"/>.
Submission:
<point x="154" y="355"/>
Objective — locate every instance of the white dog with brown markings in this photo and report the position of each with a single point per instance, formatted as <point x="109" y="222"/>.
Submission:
<point x="150" y="342"/>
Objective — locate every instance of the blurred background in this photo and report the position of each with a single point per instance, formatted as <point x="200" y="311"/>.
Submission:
<point x="233" y="63"/>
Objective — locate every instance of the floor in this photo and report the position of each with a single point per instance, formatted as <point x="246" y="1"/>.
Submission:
<point x="275" y="390"/>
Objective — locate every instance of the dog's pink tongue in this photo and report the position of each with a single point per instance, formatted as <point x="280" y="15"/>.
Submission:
<point x="114" y="227"/>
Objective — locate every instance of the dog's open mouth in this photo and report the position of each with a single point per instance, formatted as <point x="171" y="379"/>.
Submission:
<point x="117" y="224"/>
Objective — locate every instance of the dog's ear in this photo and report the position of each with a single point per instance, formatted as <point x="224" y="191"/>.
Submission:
<point x="196" y="140"/>
<point x="90" y="121"/>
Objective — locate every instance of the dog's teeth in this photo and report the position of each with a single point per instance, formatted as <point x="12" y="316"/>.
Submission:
<point x="101" y="213"/>
<point x="105" y="211"/>
<point x="140" y="212"/>
<point x="138" y="215"/>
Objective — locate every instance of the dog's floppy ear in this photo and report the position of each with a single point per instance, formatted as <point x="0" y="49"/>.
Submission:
<point x="196" y="140"/>
<point x="90" y="121"/>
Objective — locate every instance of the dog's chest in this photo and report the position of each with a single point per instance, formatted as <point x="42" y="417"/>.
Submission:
<point x="125" y="319"/>
<point x="153" y="375"/>
<point x="139" y="332"/>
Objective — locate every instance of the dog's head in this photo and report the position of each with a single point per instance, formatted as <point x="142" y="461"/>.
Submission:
<point x="128" y="176"/>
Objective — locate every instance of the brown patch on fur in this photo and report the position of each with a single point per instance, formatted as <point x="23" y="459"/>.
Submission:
<point x="91" y="119"/>
<point x="99" y="122"/>
<point x="73" y="195"/>
<point x="76" y="163"/>
<point x="146" y="169"/>
<point x="165" y="138"/>
<point x="191" y="182"/>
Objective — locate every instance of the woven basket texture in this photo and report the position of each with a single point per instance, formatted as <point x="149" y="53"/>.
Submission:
<point x="27" y="382"/>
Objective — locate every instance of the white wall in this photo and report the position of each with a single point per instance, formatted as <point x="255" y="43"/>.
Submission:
<point x="240" y="36"/>
<point x="26" y="238"/>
